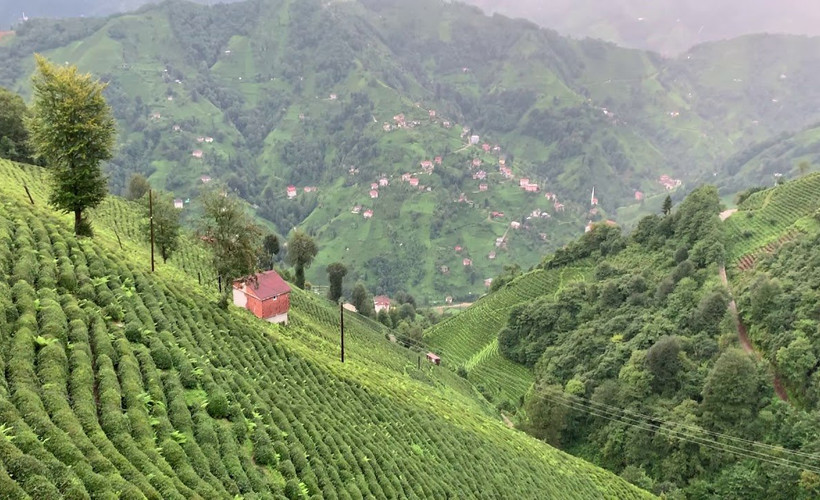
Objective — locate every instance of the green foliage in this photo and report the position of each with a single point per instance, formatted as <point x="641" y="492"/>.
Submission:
<point x="302" y="250"/>
<point x="72" y="130"/>
<point x="233" y="236"/>
<point x="13" y="135"/>
<point x="362" y="300"/>
<point x="166" y="220"/>
<point x="138" y="187"/>
<point x="335" y="273"/>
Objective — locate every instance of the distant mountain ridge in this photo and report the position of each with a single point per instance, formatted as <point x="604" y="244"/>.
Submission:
<point x="666" y="26"/>
<point x="330" y="99"/>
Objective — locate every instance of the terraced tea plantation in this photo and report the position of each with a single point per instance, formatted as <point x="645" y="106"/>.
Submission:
<point x="770" y="217"/>
<point x="122" y="384"/>
<point x="470" y="339"/>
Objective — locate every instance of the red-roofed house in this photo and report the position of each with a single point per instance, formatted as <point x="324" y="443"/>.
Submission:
<point x="291" y="191"/>
<point x="413" y="181"/>
<point x="197" y="153"/>
<point x="476" y="162"/>
<point x="178" y="203"/>
<point x="205" y="179"/>
<point x="638" y="196"/>
<point x="433" y="358"/>
<point x="384" y="181"/>
<point x="374" y="194"/>
<point x="483" y="186"/>
<point x="467" y="262"/>
<point x="485" y="147"/>
<point x="437" y="160"/>
<point x="523" y="182"/>
<point x="374" y="185"/>
<point x="480" y="175"/>
<point x="531" y="188"/>
<point x="488" y="282"/>
<point x="368" y="214"/>
<point x="381" y="302"/>
<point x="267" y="296"/>
<point x="506" y="172"/>
<point x="432" y="113"/>
<point x="458" y="248"/>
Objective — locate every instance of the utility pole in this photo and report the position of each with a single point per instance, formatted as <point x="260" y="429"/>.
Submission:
<point x="342" y="321"/>
<point x="151" y="217"/>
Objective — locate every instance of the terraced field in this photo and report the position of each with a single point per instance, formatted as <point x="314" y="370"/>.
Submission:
<point x="772" y="216"/>
<point x="118" y="383"/>
<point x="470" y="339"/>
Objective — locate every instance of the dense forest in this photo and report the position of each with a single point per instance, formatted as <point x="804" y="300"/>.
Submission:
<point x="642" y="368"/>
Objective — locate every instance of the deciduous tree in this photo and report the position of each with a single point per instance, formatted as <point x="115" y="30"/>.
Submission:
<point x="72" y="129"/>
<point x="301" y="251"/>
<point x="166" y="223"/>
<point x="336" y="273"/>
<point x="13" y="134"/>
<point x="233" y="235"/>
<point x="138" y="187"/>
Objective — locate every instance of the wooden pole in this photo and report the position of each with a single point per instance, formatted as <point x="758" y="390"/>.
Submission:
<point x="219" y="278"/>
<point x="342" y="321"/>
<point x="199" y="276"/>
<point x="151" y="217"/>
<point x="25" y="186"/>
<point x="419" y="361"/>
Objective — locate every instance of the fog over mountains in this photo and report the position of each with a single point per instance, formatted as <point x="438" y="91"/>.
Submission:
<point x="665" y="26"/>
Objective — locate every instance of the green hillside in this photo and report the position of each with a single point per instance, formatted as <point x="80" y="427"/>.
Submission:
<point x="770" y="217"/>
<point x="470" y="339"/>
<point x="119" y="383"/>
<point x="638" y="363"/>
<point x="299" y="93"/>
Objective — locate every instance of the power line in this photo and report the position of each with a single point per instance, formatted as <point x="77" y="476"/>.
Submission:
<point x="611" y="409"/>
<point x="680" y="435"/>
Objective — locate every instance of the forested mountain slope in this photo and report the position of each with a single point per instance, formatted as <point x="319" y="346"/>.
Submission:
<point x="120" y="383"/>
<point x="332" y="98"/>
<point x="640" y="365"/>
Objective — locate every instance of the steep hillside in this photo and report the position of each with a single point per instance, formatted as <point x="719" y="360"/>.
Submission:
<point x="331" y="98"/>
<point x="122" y="383"/>
<point x="638" y="364"/>
<point x="667" y="26"/>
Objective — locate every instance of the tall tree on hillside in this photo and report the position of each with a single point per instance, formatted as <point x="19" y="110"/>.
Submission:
<point x="233" y="235"/>
<point x="166" y="223"/>
<point x="301" y="251"/>
<point x="72" y="129"/>
<point x="13" y="135"/>
<point x="362" y="301"/>
<point x="667" y="205"/>
<point x="138" y="187"/>
<point x="270" y="248"/>
<point x="336" y="273"/>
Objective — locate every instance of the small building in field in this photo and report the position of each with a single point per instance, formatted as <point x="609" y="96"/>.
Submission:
<point x="384" y="181"/>
<point x="483" y="186"/>
<point x="413" y="181"/>
<point x="205" y="179"/>
<point x="433" y="358"/>
<point x="291" y="192"/>
<point x="638" y="196"/>
<point x="467" y="262"/>
<point x="488" y="282"/>
<point x="178" y="203"/>
<point x="266" y="295"/>
<point x="197" y="153"/>
<point x="368" y="214"/>
<point x="437" y="160"/>
<point x="374" y="194"/>
<point x="381" y="302"/>
<point x="515" y="225"/>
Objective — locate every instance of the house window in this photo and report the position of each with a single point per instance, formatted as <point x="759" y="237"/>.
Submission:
<point x="275" y="297"/>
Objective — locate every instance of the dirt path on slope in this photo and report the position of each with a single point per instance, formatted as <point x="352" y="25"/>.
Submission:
<point x="727" y="213"/>
<point x="743" y="337"/>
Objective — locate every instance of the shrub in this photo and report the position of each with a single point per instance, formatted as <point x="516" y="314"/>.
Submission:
<point x="160" y="354"/>
<point x="217" y="404"/>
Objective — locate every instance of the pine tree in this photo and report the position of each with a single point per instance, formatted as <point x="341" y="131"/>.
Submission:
<point x="667" y="205"/>
<point x="72" y="129"/>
